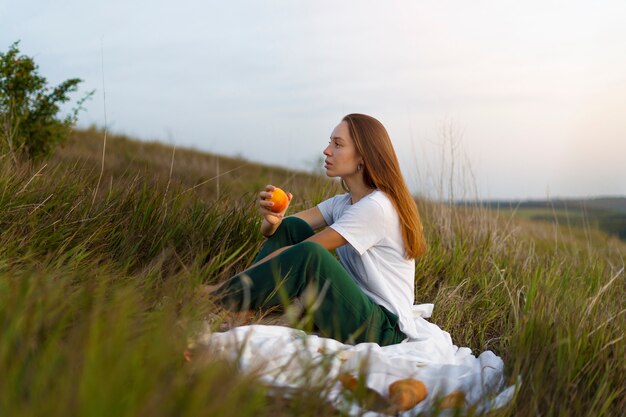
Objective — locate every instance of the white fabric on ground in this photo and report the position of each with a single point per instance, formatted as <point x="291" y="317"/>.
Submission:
<point x="287" y="358"/>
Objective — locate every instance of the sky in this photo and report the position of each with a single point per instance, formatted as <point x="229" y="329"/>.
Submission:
<point x="482" y="100"/>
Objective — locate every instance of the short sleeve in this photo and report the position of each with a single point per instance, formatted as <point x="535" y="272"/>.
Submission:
<point x="362" y="225"/>
<point x="327" y="208"/>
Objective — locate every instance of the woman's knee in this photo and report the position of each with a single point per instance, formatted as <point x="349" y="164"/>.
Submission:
<point x="313" y="249"/>
<point x="294" y="222"/>
<point x="295" y="227"/>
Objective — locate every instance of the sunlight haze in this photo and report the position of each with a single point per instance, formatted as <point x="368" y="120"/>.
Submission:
<point x="530" y="95"/>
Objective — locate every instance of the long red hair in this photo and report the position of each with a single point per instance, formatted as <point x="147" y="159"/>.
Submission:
<point x="381" y="170"/>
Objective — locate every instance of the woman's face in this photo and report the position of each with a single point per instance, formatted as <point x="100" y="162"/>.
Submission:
<point x="341" y="154"/>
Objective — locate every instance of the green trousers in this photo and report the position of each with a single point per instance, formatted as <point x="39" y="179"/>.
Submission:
<point x="337" y="307"/>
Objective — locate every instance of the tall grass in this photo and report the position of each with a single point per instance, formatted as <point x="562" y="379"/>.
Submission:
<point x="98" y="297"/>
<point x="549" y="299"/>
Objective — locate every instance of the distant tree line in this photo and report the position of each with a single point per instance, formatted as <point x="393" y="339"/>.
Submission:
<point x="606" y="214"/>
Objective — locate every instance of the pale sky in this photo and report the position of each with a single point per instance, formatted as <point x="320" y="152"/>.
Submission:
<point x="532" y="93"/>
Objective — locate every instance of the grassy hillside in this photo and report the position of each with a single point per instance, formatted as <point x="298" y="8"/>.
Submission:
<point x="209" y="176"/>
<point x="98" y="279"/>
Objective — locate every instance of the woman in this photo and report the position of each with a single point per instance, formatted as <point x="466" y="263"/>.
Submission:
<point x="376" y="231"/>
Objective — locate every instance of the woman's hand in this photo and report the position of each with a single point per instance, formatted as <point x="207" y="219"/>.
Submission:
<point x="264" y="206"/>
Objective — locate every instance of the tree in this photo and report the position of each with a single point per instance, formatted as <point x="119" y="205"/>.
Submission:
<point x="29" y="125"/>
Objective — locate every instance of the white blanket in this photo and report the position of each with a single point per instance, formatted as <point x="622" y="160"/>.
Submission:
<point x="287" y="358"/>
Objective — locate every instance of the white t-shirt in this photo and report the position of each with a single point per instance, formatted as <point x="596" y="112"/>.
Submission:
<point x="374" y="255"/>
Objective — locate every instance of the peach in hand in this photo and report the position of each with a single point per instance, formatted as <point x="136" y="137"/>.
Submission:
<point x="280" y="200"/>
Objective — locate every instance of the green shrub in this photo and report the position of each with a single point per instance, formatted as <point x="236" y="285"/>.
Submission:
<point x="29" y="125"/>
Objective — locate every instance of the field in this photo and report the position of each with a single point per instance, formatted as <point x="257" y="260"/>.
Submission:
<point x="606" y="214"/>
<point x="99" y="271"/>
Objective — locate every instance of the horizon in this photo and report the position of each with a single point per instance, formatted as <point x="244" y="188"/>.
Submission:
<point x="498" y="101"/>
<point x="320" y="172"/>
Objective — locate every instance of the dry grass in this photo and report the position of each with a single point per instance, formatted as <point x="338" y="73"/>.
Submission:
<point x="97" y="301"/>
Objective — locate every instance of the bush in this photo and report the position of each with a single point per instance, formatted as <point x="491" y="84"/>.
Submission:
<point x="29" y="126"/>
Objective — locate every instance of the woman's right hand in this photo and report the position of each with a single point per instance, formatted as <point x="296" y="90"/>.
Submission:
<point x="264" y="206"/>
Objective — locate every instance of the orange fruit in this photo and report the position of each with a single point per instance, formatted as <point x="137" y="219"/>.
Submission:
<point x="456" y="399"/>
<point x="407" y="393"/>
<point x="280" y="200"/>
<point x="348" y="381"/>
<point x="367" y="397"/>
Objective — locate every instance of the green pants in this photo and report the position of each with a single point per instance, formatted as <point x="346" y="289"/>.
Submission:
<point x="340" y="309"/>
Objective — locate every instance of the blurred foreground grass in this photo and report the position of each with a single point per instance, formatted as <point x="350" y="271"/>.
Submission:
<point x="98" y="278"/>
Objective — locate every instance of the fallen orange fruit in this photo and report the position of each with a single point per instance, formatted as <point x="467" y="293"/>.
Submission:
<point x="407" y="393"/>
<point x="280" y="200"/>
<point x="456" y="399"/>
<point x="367" y="397"/>
<point x="348" y="381"/>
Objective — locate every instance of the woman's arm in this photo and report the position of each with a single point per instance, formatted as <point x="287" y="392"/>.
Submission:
<point x="328" y="238"/>
<point x="268" y="229"/>
<point x="312" y="216"/>
<point x="271" y="221"/>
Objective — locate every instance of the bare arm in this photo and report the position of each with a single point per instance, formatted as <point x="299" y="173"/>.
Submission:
<point x="271" y="221"/>
<point x="313" y="217"/>
<point x="328" y="238"/>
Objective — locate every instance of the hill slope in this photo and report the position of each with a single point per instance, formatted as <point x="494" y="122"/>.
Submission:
<point x="99" y="278"/>
<point x="210" y="176"/>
